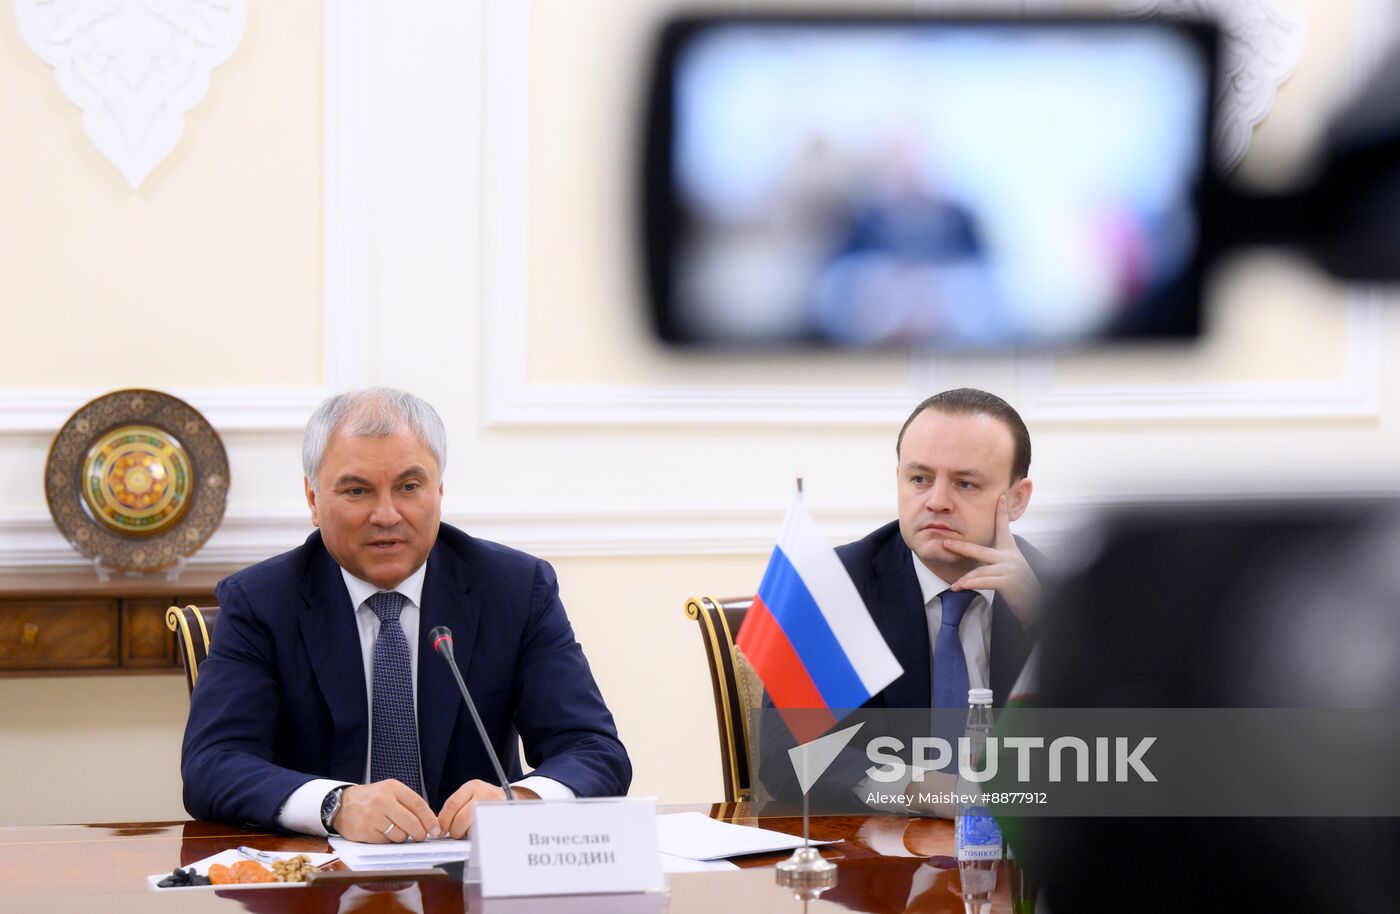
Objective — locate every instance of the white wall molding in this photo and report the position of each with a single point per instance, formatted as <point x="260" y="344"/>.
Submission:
<point x="349" y="212"/>
<point x="1267" y="46"/>
<point x="648" y="406"/>
<point x="505" y="195"/>
<point x="45" y="411"/>
<point x="348" y="220"/>
<point x="30" y="540"/>
<point x="609" y="530"/>
<point x="514" y="402"/>
<point x="509" y="398"/>
<point x="133" y="67"/>
<point x="599" y="530"/>
<point x="1262" y="44"/>
<point x="1356" y="394"/>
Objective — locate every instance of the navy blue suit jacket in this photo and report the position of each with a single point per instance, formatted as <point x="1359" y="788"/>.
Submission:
<point x="281" y="698"/>
<point x="882" y="568"/>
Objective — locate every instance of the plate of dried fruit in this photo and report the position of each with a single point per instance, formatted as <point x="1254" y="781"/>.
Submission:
<point x="233" y="869"/>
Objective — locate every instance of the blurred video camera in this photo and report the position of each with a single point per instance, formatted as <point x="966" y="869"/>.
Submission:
<point x="968" y="183"/>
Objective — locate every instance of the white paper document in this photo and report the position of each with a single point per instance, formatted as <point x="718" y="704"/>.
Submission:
<point x="696" y="836"/>
<point x="409" y="855"/>
<point x="670" y="863"/>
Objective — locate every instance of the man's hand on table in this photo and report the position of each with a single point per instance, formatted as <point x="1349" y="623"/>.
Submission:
<point x="460" y="809"/>
<point x="367" y="811"/>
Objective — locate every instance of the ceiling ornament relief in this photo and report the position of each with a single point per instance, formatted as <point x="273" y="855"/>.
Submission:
<point x="134" y="67"/>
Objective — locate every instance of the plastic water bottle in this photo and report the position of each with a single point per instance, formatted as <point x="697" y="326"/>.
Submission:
<point x="976" y="835"/>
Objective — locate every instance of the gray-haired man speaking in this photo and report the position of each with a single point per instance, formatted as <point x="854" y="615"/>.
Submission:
<point x="321" y="707"/>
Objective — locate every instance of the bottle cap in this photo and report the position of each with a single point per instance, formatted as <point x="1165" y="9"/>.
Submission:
<point x="979" y="696"/>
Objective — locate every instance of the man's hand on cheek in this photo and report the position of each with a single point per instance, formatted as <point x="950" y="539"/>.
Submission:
<point x="1002" y="569"/>
<point x="459" y="811"/>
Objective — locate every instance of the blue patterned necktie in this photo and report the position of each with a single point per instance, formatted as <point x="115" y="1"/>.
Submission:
<point x="950" y="682"/>
<point x="949" y="664"/>
<point x="394" y="728"/>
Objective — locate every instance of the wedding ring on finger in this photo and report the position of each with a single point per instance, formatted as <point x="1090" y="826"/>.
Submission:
<point x="389" y="829"/>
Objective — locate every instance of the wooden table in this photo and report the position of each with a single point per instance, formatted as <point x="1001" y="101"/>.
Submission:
<point x="104" y="868"/>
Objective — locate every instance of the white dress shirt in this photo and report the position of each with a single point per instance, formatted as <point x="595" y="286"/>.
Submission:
<point x="975" y="634"/>
<point x="302" y="811"/>
<point x="974" y="631"/>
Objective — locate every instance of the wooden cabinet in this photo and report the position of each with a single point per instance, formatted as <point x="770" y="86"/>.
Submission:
<point x="66" y="621"/>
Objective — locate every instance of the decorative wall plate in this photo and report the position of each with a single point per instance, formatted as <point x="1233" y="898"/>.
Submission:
<point x="136" y="479"/>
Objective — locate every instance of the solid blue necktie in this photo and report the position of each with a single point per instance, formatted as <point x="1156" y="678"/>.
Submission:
<point x="394" y="728"/>
<point x="949" y="664"/>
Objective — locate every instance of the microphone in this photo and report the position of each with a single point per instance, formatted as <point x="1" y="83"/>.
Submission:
<point x="442" y="643"/>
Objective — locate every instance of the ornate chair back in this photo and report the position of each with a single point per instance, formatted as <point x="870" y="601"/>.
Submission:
<point x="193" y="627"/>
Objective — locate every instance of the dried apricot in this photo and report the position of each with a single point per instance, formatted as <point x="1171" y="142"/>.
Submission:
<point x="248" y="871"/>
<point x="221" y="875"/>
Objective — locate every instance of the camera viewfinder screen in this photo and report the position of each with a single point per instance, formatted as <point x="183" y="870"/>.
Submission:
<point x="955" y="185"/>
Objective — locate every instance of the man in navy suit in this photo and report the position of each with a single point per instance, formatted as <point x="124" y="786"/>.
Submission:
<point x="321" y="707"/>
<point x="962" y="476"/>
<point x="963" y="462"/>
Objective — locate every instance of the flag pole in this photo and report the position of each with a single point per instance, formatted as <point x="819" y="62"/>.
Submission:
<point x="806" y="872"/>
<point x="806" y="836"/>
<point x="806" y="756"/>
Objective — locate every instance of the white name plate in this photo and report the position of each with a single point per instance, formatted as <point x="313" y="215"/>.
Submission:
<point x="567" y="847"/>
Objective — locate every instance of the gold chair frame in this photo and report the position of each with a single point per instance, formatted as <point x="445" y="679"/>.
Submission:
<point x="193" y="626"/>
<point x="737" y="691"/>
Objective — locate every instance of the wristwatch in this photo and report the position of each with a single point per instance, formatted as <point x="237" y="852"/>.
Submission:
<point x="330" y="806"/>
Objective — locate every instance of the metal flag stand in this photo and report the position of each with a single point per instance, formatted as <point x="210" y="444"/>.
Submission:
<point x="806" y="873"/>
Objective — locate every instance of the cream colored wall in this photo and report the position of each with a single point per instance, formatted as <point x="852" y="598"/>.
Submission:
<point x="571" y="98"/>
<point x="91" y="749"/>
<point x="649" y="661"/>
<point x="207" y="277"/>
<point x="600" y="453"/>
<point x="185" y="277"/>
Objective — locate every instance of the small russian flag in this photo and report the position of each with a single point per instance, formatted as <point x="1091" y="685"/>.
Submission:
<point x="808" y="634"/>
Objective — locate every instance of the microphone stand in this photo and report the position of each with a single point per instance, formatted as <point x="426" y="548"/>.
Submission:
<point x="442" y="643"/>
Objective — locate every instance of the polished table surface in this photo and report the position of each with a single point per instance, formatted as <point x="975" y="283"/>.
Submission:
<point x="886" y="864"/>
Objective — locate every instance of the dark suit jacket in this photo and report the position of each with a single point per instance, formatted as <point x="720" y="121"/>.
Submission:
<point x="882" y="568"/>
<point x="281" y="698"/>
